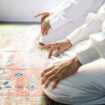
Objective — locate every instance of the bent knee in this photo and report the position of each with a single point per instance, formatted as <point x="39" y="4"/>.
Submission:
<point x="56" y="96"/>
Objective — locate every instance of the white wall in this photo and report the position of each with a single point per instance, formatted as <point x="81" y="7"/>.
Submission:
<point x="24" y="10"/>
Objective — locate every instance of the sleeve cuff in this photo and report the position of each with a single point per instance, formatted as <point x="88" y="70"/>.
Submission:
<point x="51" y="19"/>
<point x="88" y="55"/>
<point x="71" y="41"/>
<point x="73" y="36"/>
<point x="54" y="21"/>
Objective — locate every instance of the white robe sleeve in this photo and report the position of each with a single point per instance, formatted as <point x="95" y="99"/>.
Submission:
<point x="60" y="7"/>
<point x="93" y="25"/>
<point x="94" y="50"/>
<point x="72" y="10"/>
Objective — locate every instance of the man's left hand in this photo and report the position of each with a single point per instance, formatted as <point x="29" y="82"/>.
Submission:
<point x="59" y="71"/>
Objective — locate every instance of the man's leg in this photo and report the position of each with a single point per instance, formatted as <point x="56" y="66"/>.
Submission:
<point x="86" y="87"/>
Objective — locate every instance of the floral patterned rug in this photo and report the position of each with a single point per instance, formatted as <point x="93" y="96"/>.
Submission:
<point x="21" y="61"/>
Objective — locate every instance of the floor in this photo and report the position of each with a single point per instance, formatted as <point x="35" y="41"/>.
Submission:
<point x="22" y="60"/>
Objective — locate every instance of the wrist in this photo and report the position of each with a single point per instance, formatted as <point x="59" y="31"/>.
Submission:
<point x="68" y="41"/>
<point x="78" y="63"/>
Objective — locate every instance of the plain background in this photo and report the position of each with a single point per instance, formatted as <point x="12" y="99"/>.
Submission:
<point x="24" y="10"/>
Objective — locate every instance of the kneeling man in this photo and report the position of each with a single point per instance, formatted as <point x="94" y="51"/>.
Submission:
<point x="79" y="79"/>
<point x="56" y="25"/>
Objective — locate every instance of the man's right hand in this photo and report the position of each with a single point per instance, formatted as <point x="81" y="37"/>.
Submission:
<point x="43" y="15"/>
<point x="45" y="23"/>
<point x="58" y="47"/>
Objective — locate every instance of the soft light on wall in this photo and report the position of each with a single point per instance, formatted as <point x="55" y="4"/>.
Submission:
<point x="24" y="10"/>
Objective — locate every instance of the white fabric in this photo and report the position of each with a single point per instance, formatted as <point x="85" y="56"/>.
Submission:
<point x="25" y="10"/>
<point x="68" y="17"/>
<point x="94" y="24"/>
<point x="96" y="44"/>
<point x="87" y="86"/>
<point x="94" y="50"/>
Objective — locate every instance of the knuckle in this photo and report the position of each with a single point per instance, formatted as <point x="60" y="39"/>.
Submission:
<point x="50" y="79"/>
<point x="46" y="75"/>
<point x="55" y="82"/>
<point x="55" y="67"/>
<point x="44" y="79"/>
<point x="60" y="77"/>
<point x="42" y="72"/>
<point x="47" y="82"/>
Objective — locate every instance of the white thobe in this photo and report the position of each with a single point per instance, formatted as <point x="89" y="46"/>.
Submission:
<point x="87" y="86"/>
<point x="67" y="17"/>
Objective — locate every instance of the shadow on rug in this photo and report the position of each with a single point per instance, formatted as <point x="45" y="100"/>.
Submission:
<point x="48" y="101"/>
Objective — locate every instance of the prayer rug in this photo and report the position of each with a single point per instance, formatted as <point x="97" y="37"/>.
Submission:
<point x="21" y="61"/>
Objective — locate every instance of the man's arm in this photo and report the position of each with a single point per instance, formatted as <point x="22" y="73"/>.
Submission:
<point x="72" y="10"/>
<point x="93" y="25"/>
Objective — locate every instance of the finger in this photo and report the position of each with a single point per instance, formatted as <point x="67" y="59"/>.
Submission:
<point x="38" y="15"/>
<point x="59" y="52"/>
<point x="46" y="76"/>
<point x="49" y="80"/>
<point x="43" y="18"/>
<point x="55" y="83"/>
<point x="47" y="46"/>
<point x="46" y="70"/>
<point x="46" y="30"/>
<point x="43" y="28"/>
<point x="51" y="52"/>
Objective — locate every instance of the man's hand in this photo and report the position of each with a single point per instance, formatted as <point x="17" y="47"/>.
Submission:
<point x="58" y="47"/>
<point x="59" y="71"/>
<point x="45" y="23"/>
<point x="43" y="15"/>
<point x="45" y="27"/>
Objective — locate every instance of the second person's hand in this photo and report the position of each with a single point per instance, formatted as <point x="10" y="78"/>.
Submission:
<point x="58" y="47"/>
